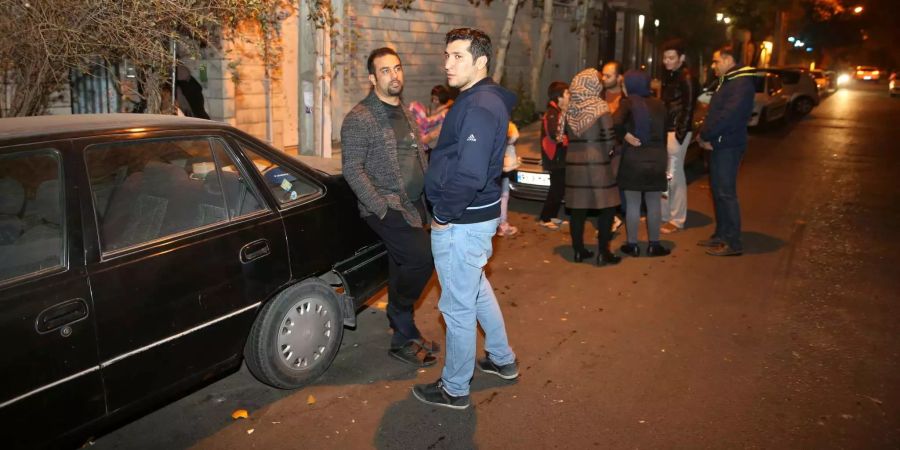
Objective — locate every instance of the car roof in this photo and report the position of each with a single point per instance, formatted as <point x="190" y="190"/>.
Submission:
<point x="94" y="124"/>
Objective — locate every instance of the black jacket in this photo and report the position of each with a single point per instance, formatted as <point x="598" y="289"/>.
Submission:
<point x="730" y="109"/>
<point x="463" y="178"/>
<point x="679" y="92"/>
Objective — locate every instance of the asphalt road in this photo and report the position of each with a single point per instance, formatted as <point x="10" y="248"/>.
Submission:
<point x="793" y="345"/>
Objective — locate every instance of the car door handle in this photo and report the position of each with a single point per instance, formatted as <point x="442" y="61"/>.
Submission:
<point x="60" y="315"/>
<point x="254" y="250"/>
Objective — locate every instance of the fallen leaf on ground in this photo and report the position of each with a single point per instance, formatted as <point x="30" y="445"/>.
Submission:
<point x="310" y="400"/>
<point x="250" y="431"/>
<point x="240" y="414"/>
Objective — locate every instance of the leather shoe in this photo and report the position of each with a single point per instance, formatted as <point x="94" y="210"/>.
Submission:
<point x="630" y="249"/>
<point x="607" y="259"/>
<point x="414" y="354"/>
<point x="657" y="250"/>
<point x="711" y="242"/>
<point x="724" y="250"/>
<point x="581" y="255"/>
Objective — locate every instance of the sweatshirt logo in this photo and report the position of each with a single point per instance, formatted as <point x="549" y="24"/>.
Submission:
<point x="471" y="138"/>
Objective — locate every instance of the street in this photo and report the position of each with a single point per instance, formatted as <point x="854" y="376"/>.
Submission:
<point x="792" y="345"/>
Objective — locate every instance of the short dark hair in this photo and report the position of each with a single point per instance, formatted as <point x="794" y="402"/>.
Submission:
<point x="556" y="90"/>
<point x="727" y="49"/>
<point x="479" y="42"/>
<point x="619" y="70"/>
<point x="378" y="53"/>
<point x="674" y="44"/>
<point x="442" y="93"/>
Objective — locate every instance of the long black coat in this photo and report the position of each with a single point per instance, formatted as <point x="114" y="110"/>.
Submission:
<point x="590" y="183"/>
<point x="643" y="168"/>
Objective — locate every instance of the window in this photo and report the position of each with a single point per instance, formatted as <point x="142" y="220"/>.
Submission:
<point x="240" y="198"/>
<point x="31" y="213"/>
<point x="148" y="189"/>
<point x="774" y="84"/>
<point x="285" y="184"/>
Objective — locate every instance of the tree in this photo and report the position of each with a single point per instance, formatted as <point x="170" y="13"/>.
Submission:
<point x="511" y="8"/>
<point x="543" y="43"/>
<point x="43" y="40"/>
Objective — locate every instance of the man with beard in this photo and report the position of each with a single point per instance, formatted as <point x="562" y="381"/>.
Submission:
<point x="384" y="163"/>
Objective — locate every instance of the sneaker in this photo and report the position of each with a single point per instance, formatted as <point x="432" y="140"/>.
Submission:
<point x="669" y="228"/>
<point x="434" y="394"/>
<point x="549" y="225"/>
<point x="559" y="222"/>
<point x="617" y="223"/>
<point x="507" y="371"/>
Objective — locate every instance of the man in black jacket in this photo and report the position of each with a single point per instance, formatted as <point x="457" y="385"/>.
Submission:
<point x="463" y="185"/>
<point x="679" y="92"/>
<point x="384" y="164"/>
<point x="725" y="133"/>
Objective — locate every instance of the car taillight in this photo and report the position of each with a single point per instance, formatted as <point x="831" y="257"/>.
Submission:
<point x="874" y="72"/>
<point x="859" y="72"/>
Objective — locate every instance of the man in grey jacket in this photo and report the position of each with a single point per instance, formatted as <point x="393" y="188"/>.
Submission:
<point x="384" y="164"/>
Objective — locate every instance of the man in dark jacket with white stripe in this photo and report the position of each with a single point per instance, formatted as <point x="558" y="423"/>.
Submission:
<point x="463" y="185"/>
<point x="725" y="133"/>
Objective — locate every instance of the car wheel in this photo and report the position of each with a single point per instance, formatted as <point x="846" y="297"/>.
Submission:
<point x="803" y="106"/>
<point x="296" y="336"/>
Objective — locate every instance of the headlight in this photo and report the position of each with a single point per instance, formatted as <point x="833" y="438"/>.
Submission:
<point x="843" y="79"/>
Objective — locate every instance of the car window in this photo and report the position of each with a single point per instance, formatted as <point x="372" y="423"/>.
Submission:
<point x="759" y="83"/>
<point x="286" y="184"/>
<point x="241" y="198"/>
<point x="774" y="84"/>
<point x="148" y="189"/>
<point x="31" y="213"/>
<point x="790" y="77"/>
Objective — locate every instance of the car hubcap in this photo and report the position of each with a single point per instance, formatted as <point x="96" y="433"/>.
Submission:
<point x="305" y="333"/>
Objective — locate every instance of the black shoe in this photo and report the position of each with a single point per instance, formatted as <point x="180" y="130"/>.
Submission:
<point x="507" y="371"/>
<point x="434" y="394"/>
<point x="724" y="250"/>
<point x="711" y="242"/>
<point x="413" y="353"/>
<point x="630" y="249"/>
<point x="608" y="259"/>
<point x="581" y="255"/>
<point x="657" y="250"/>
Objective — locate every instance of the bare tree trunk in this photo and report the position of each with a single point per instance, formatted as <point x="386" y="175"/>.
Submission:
<point x="326" y="88"/>
<point x="317" y="95"/>
<point x="538" y="64"/>
<point x="586" y="6"/>
<point x="504" y="39"/>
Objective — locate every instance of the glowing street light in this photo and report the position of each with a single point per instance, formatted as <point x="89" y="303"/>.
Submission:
<point x="809" y="49"/>
<point x="727" y="20"/>
<point x="719" y="17"/>
<point x="641" y="21"/>
<point x="656" y="23"/>
<point x="858" y="10"/>
<point x="791" y="39"/>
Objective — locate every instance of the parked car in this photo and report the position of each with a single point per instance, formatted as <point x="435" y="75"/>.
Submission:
<point x="770" y="104"/>
<point x="142" y="256"/>
<point x="867" y="73"/>
<point x="894" y="85"/>
<point x="833" y="82"/>
<point x="800" y="88"/>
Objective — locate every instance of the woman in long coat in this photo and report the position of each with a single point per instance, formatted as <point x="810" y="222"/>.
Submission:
<point x="590" y="183"/>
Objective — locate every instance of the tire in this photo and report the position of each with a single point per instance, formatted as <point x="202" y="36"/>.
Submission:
<point x="803" y="106"/>
<point x="295" y="336"/>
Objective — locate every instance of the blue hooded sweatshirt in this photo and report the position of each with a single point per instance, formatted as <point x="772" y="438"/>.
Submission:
<point x="463" y="179"/>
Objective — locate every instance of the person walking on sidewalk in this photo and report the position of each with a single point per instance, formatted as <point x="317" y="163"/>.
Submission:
<point x="590" y="183"/>
<point x="554" y="143"/>
<point x="725" y="133"/>
<point x="641" y="119"/>
<point x="384" y="164"/>
<point x="463" y="186"/>
<point x="679" y="92"/>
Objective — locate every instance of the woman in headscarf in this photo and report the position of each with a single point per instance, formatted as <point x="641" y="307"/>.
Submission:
<point x="590" y="183"/>
<point x="641" y="118"/>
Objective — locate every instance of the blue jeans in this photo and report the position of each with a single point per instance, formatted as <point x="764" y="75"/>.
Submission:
<point x="460" y="253"/>
<point x="723" y="170"/>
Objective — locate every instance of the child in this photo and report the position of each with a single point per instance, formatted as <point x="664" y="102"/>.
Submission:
<point x="510" y="164"/>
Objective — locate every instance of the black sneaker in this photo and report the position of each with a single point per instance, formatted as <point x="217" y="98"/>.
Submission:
<point x="434" y="394"/>
<point x="507" y="372"/>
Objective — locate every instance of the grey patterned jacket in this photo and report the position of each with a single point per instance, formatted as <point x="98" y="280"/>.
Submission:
<point x="369" y="159"/>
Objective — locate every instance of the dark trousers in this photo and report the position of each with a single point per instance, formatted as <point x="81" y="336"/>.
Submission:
<point x="409" y="268"/>
<point x="723" y="169"/>
<point x="604" y="227"/>
<point x="555" y="195"/>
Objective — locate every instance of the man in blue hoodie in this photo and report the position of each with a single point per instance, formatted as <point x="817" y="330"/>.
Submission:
<point x="463" y="186"/>
<point x="725" y="133"/>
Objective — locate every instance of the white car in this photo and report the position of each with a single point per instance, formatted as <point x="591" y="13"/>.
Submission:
<point x="770" y="104"/>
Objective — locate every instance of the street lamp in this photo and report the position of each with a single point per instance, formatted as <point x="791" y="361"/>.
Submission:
<point x="727" y="20"/>
<point x="719" y="17"/>
<point x="656" y="23"/>
<point x="641" y="21"/>
<point x="858" y="10"/>
<point x="791" y="39"/>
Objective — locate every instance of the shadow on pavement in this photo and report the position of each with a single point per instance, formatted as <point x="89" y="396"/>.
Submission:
<point x="696" y="219"/>
<point x="411" y="424"/>
<point x="756" y="243"/>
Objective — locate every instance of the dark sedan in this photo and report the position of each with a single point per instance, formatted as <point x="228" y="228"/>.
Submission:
<point x="142" y="256"/>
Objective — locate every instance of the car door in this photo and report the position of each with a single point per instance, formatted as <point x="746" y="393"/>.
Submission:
<point x="778" y="101"/>
<point x="50" y="380"/>
<point x="321" y="221"/>
<point x="185" y="252"/>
